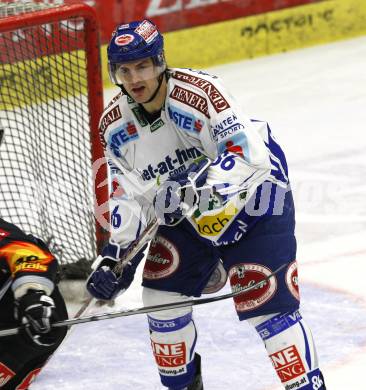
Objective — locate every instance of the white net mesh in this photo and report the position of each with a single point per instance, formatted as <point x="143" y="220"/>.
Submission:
<point x="45" y="160"/>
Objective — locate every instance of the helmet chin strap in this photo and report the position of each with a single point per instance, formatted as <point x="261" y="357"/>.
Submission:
<point x="160" y="81"/>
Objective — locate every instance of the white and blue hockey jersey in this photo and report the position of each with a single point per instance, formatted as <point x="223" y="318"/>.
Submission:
<point x="198" y="118"/>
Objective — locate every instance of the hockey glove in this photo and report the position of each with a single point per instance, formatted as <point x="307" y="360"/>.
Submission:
<point x="103" y="283"/>
<point x="177" y="197"/>
<point x="35" y="312"/>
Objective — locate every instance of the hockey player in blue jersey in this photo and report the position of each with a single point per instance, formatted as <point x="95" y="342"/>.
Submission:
<point x="218" y="183"/>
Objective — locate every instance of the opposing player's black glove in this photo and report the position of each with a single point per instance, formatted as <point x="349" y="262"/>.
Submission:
<point x="35" y="312"/>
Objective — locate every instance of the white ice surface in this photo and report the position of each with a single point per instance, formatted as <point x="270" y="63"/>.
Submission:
<point x="315" y="101"/>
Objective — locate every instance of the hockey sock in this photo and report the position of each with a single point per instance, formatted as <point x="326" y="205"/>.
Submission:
<point x="290" y="346"/>
<point x="173" y="339"/>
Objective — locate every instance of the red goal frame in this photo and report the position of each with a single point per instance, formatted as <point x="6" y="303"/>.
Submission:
<point x="94" y="95"/>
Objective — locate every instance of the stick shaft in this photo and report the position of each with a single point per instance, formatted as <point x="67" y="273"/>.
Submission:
<point x="149" y="309"/>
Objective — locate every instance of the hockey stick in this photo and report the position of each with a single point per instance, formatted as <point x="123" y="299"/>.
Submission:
<point x="149" y="309"/>
<point x="134" y="248"/>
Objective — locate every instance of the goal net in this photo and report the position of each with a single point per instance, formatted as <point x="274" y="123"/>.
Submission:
<point x="50" y="103"/>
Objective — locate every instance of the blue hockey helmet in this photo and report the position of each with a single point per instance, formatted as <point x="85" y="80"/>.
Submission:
<point x="132" y="42"/>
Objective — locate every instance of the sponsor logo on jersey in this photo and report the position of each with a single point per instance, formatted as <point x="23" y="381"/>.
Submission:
<point x="156" y="125"/>
<point x="229" y="137"/>
<point x="139" y="116"/>
<point x="216" y="98"/>
<point x="226" y="128"/>
<point x="246" y="275"/>
<point x="239" y="228"/>
<point x="170" y="355"/>
<point x="25" y="257"/>
<point x="191" y="99"/>
<point x="292" y="280"/>
<point x="162" y="260"/>
<point x="185" y="120"/>
<point x="28" y="379"/>
<point x="108" y="118"/>
<point x="171" y="164"/>
<point x="288" y="364"/>
<point x="3" y="234"/>
<point x="235" y="144"/>
<point x="124" y="39"/>
<point x="213" y="224"/>
<point x="121" y="136"/>
<point x="119" y="94"/>
<point x="147" y="31"/>
<point x="143" y="121"/>
<point x="130" y="100"/>
<point x="203" y="73"/>
<point x="228" y="132"/>
<point x="5" y="374"/>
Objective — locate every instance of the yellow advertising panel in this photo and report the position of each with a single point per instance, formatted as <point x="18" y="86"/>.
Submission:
<point x="49" y="77"/>
<point x="264" y="34"/>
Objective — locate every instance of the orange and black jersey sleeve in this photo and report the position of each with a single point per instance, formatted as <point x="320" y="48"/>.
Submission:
<point x="24" y="259"/>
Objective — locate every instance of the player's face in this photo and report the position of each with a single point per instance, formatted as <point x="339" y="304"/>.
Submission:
<point x="139" y="78"/>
